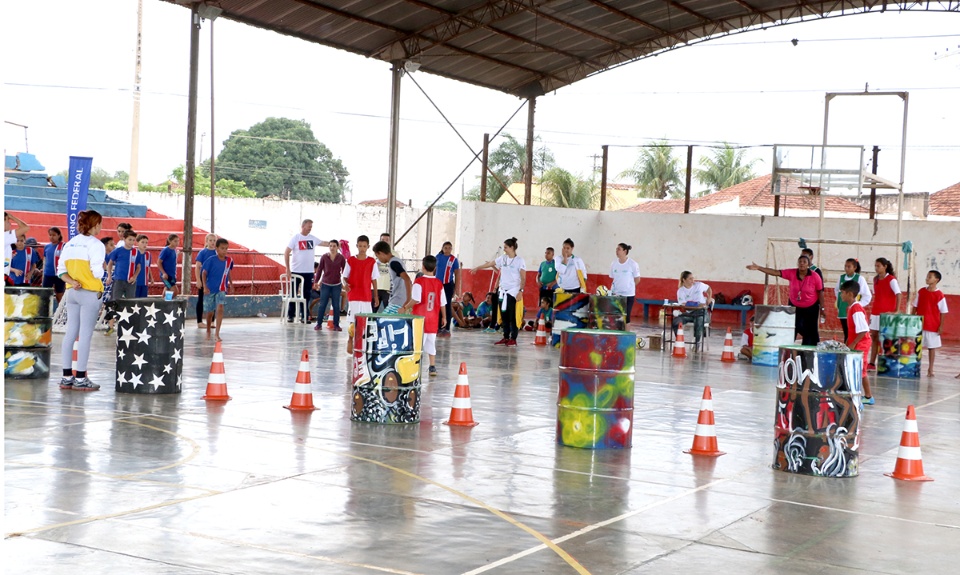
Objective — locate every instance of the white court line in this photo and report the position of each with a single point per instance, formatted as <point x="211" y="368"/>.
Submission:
<point x="900" y="416"/>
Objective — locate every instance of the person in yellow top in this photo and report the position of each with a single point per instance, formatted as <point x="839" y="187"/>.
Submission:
<point x="80" y="268"/>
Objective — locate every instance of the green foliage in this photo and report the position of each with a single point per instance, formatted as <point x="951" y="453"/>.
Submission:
<point x="657" y="172"/>
<point x="509" y="162"/>
<point x="562" y="189"/>
<point x="445" y="206"/>
<point x="282" y="157"/>
<point x="114" y="186"/>
<point x="98" y="178"/>
<point x="725" y="168"/>
<point x="201" y="185"/>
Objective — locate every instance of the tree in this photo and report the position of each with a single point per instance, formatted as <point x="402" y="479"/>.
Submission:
<point x="656" y="172"/>
<point x="282" y="157"/>
<point x="98" y="177"/>
<point x="726" y="168"/>
<point x="201" y="185"/>
<point x="562" y="189"/>
<point x="444" y="206"/>
<point x="509" y="163"/>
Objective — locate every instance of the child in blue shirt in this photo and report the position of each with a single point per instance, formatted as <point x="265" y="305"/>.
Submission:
<point x="485" y="313"/>
<point x="215" y="281"/>
<point x="145" y="277"/>
<point x="167" y="262"/>
<point x="51" y="257"/>
<point x="545" y="312"/>
<point x="23" y="263"/>
<point x="123" y="266"/>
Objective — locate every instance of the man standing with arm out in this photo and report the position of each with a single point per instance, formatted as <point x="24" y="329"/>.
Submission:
<point x="298" y="258"/>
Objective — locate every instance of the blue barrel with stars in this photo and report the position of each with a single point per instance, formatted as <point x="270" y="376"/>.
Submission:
<point x="150" y="345"/>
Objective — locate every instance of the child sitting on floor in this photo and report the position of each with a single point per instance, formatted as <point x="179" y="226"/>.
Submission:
<point x="485" y="313"/>
<point x="545" y="312"/>
<point x="464" y="312"/>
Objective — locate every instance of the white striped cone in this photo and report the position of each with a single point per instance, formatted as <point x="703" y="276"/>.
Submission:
<point x="679" y="349"/>
<point x="302" y="399"/>
<point x="728" y="355"/>
<point x="909" y="461"/>
<point x="461" y="414"/>
<point x="76" y="356"/>
<point x="541" y="338"/>
<point x="217" y="381"/>
<point x="705" y="438"/>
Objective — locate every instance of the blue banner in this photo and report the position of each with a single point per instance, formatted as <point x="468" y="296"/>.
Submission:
<point x="78" y="183"/>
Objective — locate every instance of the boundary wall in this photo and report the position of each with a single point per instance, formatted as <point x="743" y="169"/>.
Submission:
<point x="716" y="248"/>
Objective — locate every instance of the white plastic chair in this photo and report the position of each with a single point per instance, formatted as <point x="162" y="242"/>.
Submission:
<point x="291" y="292"/>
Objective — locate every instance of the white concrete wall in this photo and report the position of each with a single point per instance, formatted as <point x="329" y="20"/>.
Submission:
<point x="282" y="220"/>
<point x="714" y="247"/>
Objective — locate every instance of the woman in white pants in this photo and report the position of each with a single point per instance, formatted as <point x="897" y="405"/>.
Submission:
<point x="81" y="267"/>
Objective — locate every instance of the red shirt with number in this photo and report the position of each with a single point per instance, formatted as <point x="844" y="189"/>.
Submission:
<point x="429" y="295"/>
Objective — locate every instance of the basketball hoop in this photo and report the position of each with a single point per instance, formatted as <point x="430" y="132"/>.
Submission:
<point x="812" y="190"/>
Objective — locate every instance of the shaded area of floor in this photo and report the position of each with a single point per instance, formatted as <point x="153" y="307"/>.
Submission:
<point x="105" y="482"/>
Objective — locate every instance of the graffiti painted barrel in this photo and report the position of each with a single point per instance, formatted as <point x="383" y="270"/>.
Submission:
<point x="595" y="398"/>
<point x="570" y="311"/>
<point x="901" y="344"/>
<point x="150" y="345"/>
<point x="27" y="302"/>
<point x="817" y="424"/>
<point x="773" y="327"/>
<point x="386" y="368"/>
<point x="608" y="312"/>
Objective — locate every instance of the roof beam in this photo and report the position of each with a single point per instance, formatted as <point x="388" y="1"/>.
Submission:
<point x="634" y="19"/>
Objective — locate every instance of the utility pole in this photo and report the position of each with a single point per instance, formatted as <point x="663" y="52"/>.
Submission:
<point x="135" y="132"/>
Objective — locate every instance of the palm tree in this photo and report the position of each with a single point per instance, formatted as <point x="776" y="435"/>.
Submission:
<point x="656" y="172"/>
<point x="509" y="163"/>
<point x="726" y="168"/>
<point x="562" y="189"/>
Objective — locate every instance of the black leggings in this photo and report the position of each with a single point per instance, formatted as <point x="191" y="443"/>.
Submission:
<point x="200" y="305"/>
<point x="843" y="324"/>
<point x="808" y="324"/>
<point x="629" y="309"/>
<point x="509" y="316"/>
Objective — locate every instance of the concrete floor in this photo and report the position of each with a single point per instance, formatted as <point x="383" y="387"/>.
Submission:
<point x="110" y="483"/>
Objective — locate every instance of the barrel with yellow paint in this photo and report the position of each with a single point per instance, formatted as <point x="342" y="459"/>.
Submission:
<point x="386" y="368"/>
<point x="595" y="397"/>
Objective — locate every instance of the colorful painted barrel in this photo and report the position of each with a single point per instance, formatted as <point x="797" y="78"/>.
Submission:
<point x="150" y="345"/>
<point x="901" y="345"/>
<point x="386" y="368"/>
<point x="773" y="327"/>
<point x="27" y="302"/>
<point x="608" y="312"/>
<point x="595" y="399"/>
<point x="817" y="425"/>
<point x="27" y="333"/>
<point x="26" y="362"/>
<point x="570" y="311"/>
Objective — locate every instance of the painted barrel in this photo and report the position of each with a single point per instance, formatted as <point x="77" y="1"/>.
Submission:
<point x="150" y="345"/>
<point x="901" y="345"/>
<point x="26" y="362"/>
<point x="773" y="327"/>
<point x="608" y="312"/>
<point x="35" y="332"/>
<point x="817" y="423"/>
<point x="595" y="398"/>
<point x="27" y="302"/>
<point x="386" y="368"/>
<point x="570" y="311"/>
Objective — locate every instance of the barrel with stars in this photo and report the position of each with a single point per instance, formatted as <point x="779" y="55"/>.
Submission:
<point x="150" y="345"/>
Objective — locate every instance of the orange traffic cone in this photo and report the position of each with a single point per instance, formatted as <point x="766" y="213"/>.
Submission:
<point x="461" y="414"/>
<point x="541" y="338"/>
<point x="727" y="356"/>
<point x="909" y="463"/>
<point x="217" y="381"/>
<point x="330" y="321"/>
<point x="302" y="399"/>
<point x="705" y="438"/>
<point x="679" y="349"/>
<point x="76" y="354"/>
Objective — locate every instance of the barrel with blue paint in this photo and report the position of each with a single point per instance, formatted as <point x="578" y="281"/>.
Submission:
<point x="901" y="345"/>
<point x="595" y="397"/>
<point x="387" y="351"/>
<point x="817" y="420"/>
<point x="773" y="326"/>
<point x="608" y="312"/>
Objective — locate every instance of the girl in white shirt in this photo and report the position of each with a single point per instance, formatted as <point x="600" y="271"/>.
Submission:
<point x="625" y="274"/>
<point x="512" y="278"/>
<point x="696" y="296"/>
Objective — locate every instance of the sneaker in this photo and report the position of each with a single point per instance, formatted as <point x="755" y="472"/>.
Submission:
<point x="871" y="367"/>
<point x="85" y="385"/>
<point x="433" y="370"/>
<point x="110" y="331"/>
<point x="444" y="333"/>
<point x="488" y="330"/>
<point x="868" y="400"/>
<point x="337" y="328"/>
<point x="317" y="327"/>
<point x="511" y="343"/>
<point x="501" y="342"/>
<point x="67" y="382"/>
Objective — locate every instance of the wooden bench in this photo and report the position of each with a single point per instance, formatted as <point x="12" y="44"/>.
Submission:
<point x="743" y="309"/>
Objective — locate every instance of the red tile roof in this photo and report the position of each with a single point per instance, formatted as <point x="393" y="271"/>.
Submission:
<point x="753" y="193"/>
<point x="946" y="202"/>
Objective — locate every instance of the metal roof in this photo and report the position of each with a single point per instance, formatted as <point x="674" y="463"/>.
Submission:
<point x="530" y="47"/>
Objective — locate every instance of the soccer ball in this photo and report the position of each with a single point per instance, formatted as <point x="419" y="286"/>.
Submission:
<point x="746" y="300"/>
<point x="641" y="343"/>
<point x="601" y="290"/>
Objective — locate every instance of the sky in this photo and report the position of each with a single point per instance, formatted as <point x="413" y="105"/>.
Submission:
<point x="68" y="74"/>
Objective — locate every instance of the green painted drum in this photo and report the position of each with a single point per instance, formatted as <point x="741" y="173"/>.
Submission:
<point x="595" y="397"/>
<point x="901" y="345"/>
<point x="817" y="422"/>
<point x="387" y="351"/>
<point x="773" y="327"/>
<point x="607" y="312"/>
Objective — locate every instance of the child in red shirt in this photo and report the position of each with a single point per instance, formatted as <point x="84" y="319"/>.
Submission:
<point x="360" y="276"/>
<point x="886" y="299"/>
<point x="431" y="304"/>
<point x="858" y="330"/>
<point x="931" y="304"/>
